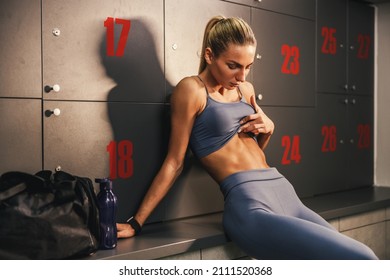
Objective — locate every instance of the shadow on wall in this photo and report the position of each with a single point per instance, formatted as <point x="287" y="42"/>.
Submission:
<point x="138" y="114"/>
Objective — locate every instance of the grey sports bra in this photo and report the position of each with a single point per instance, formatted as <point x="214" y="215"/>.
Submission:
<point x="217" y="124"/>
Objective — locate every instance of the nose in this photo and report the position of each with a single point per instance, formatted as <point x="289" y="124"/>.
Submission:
<point x="240" y="77"/>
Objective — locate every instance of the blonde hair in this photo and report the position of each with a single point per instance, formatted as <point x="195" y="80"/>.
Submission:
<point x="220" y="32"/>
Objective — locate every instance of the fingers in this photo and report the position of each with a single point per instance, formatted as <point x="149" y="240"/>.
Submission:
<point x="124" y="230"/>
<point x="252" y="116"/>
<point x="254" y="104"/>
<point x="255" y="128"/>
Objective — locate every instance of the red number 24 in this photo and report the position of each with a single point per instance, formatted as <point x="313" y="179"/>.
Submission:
<point x="292" y="149"/>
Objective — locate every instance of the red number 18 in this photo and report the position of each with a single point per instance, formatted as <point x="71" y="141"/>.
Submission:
<point x="121" y="162"/>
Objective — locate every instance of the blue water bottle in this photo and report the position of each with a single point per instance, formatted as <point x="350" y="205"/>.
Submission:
<point x="107" y="213"/>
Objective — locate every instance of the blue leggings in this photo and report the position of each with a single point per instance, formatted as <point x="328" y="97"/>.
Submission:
<point x="266" y="219"/>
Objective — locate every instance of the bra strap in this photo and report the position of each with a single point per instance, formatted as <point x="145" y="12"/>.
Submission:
<point x="204" y="85"/>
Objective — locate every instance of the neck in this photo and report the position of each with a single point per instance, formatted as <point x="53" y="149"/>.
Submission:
<point x="211" y="83"/>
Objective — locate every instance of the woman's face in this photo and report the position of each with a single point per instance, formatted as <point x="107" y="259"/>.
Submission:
<point x="231" y="67"/>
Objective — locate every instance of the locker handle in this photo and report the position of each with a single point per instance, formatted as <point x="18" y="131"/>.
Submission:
<point x="55" y="88"/>
<point x="56" y="112"/>
<point x="56" y="32"/>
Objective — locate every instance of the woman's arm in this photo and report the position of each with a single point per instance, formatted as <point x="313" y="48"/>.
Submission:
<point x="185" y="104"/>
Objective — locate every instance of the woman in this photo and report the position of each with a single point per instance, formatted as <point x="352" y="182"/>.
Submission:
<point x="217" y="115"/>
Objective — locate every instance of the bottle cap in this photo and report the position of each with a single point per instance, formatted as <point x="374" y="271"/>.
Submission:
<point x="104" y="182"/>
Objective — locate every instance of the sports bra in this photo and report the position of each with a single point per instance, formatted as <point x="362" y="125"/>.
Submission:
<point x="217" y="124"/>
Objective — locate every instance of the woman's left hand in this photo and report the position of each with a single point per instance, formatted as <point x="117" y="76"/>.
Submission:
<point x="258" y="122"/>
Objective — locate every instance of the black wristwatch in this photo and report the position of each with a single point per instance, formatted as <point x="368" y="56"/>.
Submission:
<point x="135" y="225"/>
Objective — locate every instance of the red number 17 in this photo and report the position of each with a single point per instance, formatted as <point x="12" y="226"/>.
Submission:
<point x="109" y="24"/>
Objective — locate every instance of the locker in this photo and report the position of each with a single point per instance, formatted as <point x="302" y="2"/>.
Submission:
<point x="361" y="49"/>
<point x="20" y="52"/>
<point x="345" y="47"/>
<point x="361" y="141"/>
<point x="184" y="34"/>
<point x="332" y="46"/>
<point x="299" y="8"/>
<point x="122" y="140"/>
<point x="91" y="46"/>
<point x="332" y="143"/>
<point x="283" y="74"/>
<point x="21" y="135"/>
<point x="346" y="157"/>
<point x="292" y="146"/>
<point x="194" y="193"/>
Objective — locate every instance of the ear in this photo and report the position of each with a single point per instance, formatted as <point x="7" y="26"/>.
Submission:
<point x="208" y="55"/>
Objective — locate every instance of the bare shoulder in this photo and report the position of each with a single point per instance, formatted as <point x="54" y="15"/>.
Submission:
<point x="188" y="84"/>
<point x="247" y="90"/>
<point x="188" y="89"/>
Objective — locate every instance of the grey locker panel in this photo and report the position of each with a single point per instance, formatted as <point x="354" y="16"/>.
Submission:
<point x="284" y="71"/>
<point x="331" y="46"/>
<point x="332" y="143"/>
<point x="361" y="48"/>
<point x="21" y="135"/>
<point x="184" y="33"/>
<point x="20" y="52"/>
<point x="300" y="8"/>
<point x="75" y="50"/>
<point x="292" y="147"/>
<point x="78" y="140"/>
<point x="194" y="193"/>
<point x="361" y="141"/>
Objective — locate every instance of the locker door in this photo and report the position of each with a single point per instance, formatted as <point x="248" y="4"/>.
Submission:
<point x="92" y="46"/>
<point x="20" y="52"/>
<point x="300" y="8"/>
<point x="21" y="135"/>
<point x="124" y="141"/>
<point x="293" y="145"/>
<point x="361" y="49"/>
<point x="184" y="34"/>
<point x="194" y="193"/>
<point x="331" y="46"/>
<point x="332" y="144"/>
<point x="361" y="141"/>
<point x="284" y="71"/>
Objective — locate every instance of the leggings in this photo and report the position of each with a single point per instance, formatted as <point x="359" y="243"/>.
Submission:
<point x="265" y="218"/>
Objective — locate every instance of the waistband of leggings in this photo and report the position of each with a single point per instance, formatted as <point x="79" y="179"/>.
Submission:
<point x="238" y="178"/>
